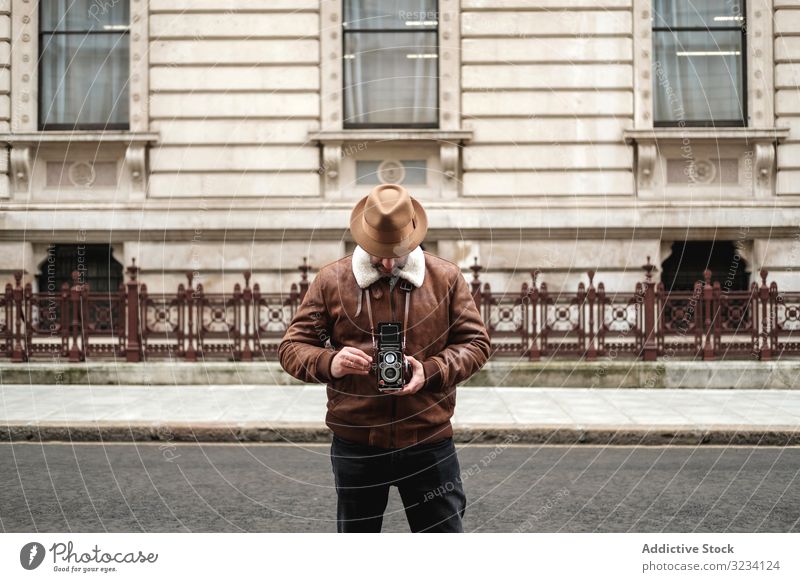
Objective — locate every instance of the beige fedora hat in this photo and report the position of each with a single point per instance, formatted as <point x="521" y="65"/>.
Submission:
<point x="388" y="222"/>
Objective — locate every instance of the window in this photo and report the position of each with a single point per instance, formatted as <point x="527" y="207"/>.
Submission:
<point x="689" y="259"/>
<point x="391" y="64"/>
<point x="699" y="66"/>
<point x="84" y="64"/>
<point x="94" y="263"/>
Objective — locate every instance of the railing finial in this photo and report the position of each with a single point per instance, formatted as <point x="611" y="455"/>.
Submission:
<point x="649" y="269"/>
<point x="133" y="270"/>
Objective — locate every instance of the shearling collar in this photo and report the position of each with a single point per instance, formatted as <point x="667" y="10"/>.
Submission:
<point x="366" y="275"/>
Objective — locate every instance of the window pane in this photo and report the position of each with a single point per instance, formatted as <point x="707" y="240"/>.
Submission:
<point x="84" y="79"/>
<point x="367" y="172"/>
<point x="697" y="76"/>
<point x="416" y="171"/>
<point x="83" y="15"/>
<point x="395" y="14"/>
<point x="370" y="172"/>
<point x="706" y="13"/>
<point x="391" y="78"/>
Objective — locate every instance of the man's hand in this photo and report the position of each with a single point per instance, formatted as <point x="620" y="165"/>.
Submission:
<point x="351" y="361"/>
<point x="417" y="378"/>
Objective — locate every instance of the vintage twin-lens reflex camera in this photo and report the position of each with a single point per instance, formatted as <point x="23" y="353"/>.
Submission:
<point x="393" y="370"/>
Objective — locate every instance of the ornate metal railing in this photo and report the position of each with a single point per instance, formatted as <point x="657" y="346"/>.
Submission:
<point x="192" y="324"/>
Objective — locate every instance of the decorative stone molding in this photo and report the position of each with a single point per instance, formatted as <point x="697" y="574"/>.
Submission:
<point x="24" y="60"/>
<point x="764" y="164"/>
<point x="449" y="65"/>
<point x="135" y="159"/>
<point x="338" y="145"/>
<point x="22" y="146"/>
<point x="20" y="167"/>
<point x="646" y="165"/>
<point x="331" y="72"/>
<point x="138" y="85"/>
<point x="642" y="64"/>
<point x="331" y="156"/>
<point x="697" y="146"/>
<point x="760" y="64"/>
<point x="451" y="169"/>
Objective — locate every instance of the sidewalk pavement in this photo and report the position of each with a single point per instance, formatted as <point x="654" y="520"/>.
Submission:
<point x="275" y="413"/>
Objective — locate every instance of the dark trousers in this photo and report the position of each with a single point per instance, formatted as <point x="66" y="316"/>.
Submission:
<point x="428" y="477"/>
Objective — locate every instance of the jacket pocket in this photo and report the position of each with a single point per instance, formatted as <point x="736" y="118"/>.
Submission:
<point x="450" y="399"/>
<point x="338" y="390"/>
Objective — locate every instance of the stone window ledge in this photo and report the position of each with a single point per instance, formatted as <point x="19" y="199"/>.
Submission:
<point x="40" y="137"/>
<point x="23" y="145"/>
<point x="727" y="134"/>
<point x="654" y="143"/>
<point x="444" y="136"/>
<point x="449" y="142"/>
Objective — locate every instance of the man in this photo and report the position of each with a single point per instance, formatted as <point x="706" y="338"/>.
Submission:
<point x="381" y="438"/>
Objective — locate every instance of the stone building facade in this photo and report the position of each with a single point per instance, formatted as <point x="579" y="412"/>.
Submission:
<point x="559" y="135"/>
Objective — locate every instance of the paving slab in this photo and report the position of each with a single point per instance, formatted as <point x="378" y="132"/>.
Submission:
<point x="270" y="412"/>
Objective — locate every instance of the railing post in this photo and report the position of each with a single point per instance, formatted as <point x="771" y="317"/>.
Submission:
<point x="256" y="323"/>
<point x="601" y="318"/>
<point x="544" y="335"/>
<point x="650" y="349"/>
<point x="764" y="296"/>
<point x="580" y="298"/>
<point x="133" y="351"/>
<point x="486" y="303"/>
<point x="475" y="284"/>
<point x="85" y="315"/>
<point x="716" y="319"/>
<point x="74" y="299"/>
<point x="65" y="326"/>
<point x="247" y="298"/>
<point x="19" y="353"/>
<point x="304" y="268"/>
<point x="774" y="328"/>
<point x="524" y="307"/>
<point x="534" y="353"/>
<point x="8" y="332"/>
<point x="191" y="354"/>
<point x="591" y="297"/>
<point x="294" y="298"/>
<point x="708" y="301"/>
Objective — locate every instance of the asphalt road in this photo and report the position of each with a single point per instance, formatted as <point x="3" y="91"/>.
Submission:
<point x="84" y="487"/>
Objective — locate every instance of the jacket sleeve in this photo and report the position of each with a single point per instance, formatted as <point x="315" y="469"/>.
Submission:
<point x="301" y="351"/>
<point x="468" y="343"/>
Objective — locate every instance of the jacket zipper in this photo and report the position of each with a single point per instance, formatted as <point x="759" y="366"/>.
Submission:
<point x="394" y="412"/>
<point x="392" y="428"/>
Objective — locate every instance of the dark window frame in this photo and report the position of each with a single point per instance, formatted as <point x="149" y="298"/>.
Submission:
<point x="351" y="125"/>
<point x="742" y="28"/>
<point x="74" y="126"/>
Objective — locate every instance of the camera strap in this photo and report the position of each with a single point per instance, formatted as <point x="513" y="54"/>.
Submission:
<point x="405" y="286"/>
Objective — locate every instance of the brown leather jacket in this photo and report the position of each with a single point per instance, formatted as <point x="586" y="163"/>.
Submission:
<point x="445" y="333"/>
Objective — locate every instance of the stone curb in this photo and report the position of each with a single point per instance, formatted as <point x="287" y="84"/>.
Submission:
<point x="727" y="374"/>
<point x="319" y="433"/>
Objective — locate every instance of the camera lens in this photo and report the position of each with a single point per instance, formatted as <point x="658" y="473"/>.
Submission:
<point x="391" y="374"/>
<point x="390" y="358"/>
